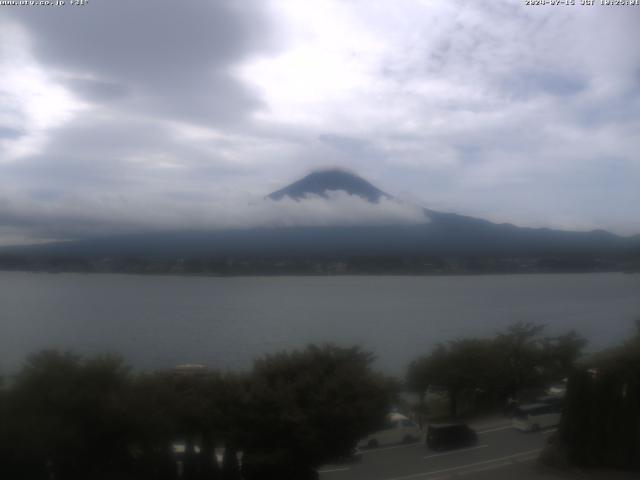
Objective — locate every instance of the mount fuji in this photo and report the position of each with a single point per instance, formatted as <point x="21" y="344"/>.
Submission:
<point x="440" y="235"/>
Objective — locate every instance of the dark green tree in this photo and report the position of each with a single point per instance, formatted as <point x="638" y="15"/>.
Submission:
<point x="305" y="408"/>
<point x="600" y="426"/>
<point x="68" y="416"/>
<point x="463" y="366"/>
<point x="522" y="358"/>
<point x="489" y="371"/>
<point x="560" y="355"/>
<point x="230" y="465"/>
<point x="152" y="406"/>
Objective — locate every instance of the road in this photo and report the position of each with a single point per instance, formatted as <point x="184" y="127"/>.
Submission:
<point x="501" y="452"/>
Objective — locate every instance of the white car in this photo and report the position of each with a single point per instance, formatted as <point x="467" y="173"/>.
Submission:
<point x="397" y="429"/>
<point x="536" y="416"/>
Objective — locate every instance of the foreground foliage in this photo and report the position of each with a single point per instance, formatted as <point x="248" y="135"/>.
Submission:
<point x="307" y="408"/>
<point x="491" y="371"/>
<point x="601" y="422"/>
<point x="65" y="417"/>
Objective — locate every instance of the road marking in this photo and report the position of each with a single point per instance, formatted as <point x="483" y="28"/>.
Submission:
<point x="546" y="432"/>
<point x="374" y="450"/>
<point x="456" y="451"/>
<point x="462" y="467"/>
<point x="495" y="429"/>
<point x="526" y="459"/>
<point x="488" y="467"/>
<point x="334" y="470"/>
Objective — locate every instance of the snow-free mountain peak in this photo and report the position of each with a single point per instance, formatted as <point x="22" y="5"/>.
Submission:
<point x="322" y="181"/>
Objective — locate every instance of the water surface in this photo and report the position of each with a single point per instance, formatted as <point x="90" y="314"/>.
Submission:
<point x="161" y="321"/>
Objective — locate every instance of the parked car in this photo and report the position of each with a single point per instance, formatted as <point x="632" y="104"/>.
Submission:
<point x="558" y="389"/>
<point x="397" y="429"/>
<point x="536" y="416"/>
<point x="551" y="400"/>
<point x="354" y="457"/>
<point x="447" y="436"/>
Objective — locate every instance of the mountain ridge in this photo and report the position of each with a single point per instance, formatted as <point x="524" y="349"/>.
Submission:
<point x="319" y="182"/>
<point x="445" y="235"/>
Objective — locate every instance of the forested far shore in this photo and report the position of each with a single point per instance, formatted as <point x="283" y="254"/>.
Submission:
<point x="323" y="265"/>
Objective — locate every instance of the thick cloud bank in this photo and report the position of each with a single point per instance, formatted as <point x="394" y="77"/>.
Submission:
<point x="113" y="112"/>
<point x="69" y="219"/>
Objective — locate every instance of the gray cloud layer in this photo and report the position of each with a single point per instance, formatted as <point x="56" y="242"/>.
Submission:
<point x="68" y="217"/>
<point x="147" y="114"/>
<point x="165" y="57"/>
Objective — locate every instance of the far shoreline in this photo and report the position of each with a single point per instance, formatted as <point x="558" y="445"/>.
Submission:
<point x="320" y="275"/>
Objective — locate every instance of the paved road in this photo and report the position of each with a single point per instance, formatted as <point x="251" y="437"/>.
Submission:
<point x="502" y="452"/>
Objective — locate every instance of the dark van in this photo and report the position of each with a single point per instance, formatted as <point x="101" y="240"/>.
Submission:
<point x="446" y="436"/>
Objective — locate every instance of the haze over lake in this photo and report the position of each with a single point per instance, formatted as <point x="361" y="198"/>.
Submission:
<point x="162" y="321"/>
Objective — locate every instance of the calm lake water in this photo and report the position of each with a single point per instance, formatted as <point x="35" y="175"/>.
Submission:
<point x="226" y="322"/>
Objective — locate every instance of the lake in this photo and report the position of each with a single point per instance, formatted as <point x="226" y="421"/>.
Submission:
<point x="162" y="321"/>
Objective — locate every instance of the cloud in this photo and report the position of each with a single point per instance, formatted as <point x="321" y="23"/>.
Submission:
<point x="166" y="54"/>
<point x="339" y="208"/>
<point x="97" y="90"/>
<point x="526" y="115"/>
<point x="8" y="132"/>
<point x="65" y="217"/>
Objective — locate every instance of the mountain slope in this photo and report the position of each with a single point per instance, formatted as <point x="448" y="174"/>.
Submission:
<point x="323" y="181"/>
<point x="445" y="234"/>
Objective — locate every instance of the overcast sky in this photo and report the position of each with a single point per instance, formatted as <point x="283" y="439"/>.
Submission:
<point x="127" y="114"/>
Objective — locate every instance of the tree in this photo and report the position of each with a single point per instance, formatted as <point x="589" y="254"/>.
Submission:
<point x="308" y="407"/>
<point x="492" y="370"/>
<point x="203" y="408"/>
<point x="560" y="355"/>
<point x="230" y="465"/>
<point x="600" y="426"/>
<point x="195" y="418"/>
<point x="427" y="371"/>
<point x="521" y="352"/>
<point x="151" y="405"/>
<point x="465" y="365"/>
<point x="67" y="416"/>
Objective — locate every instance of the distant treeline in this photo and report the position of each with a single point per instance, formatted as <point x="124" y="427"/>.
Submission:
<point x="317" y="265"/>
